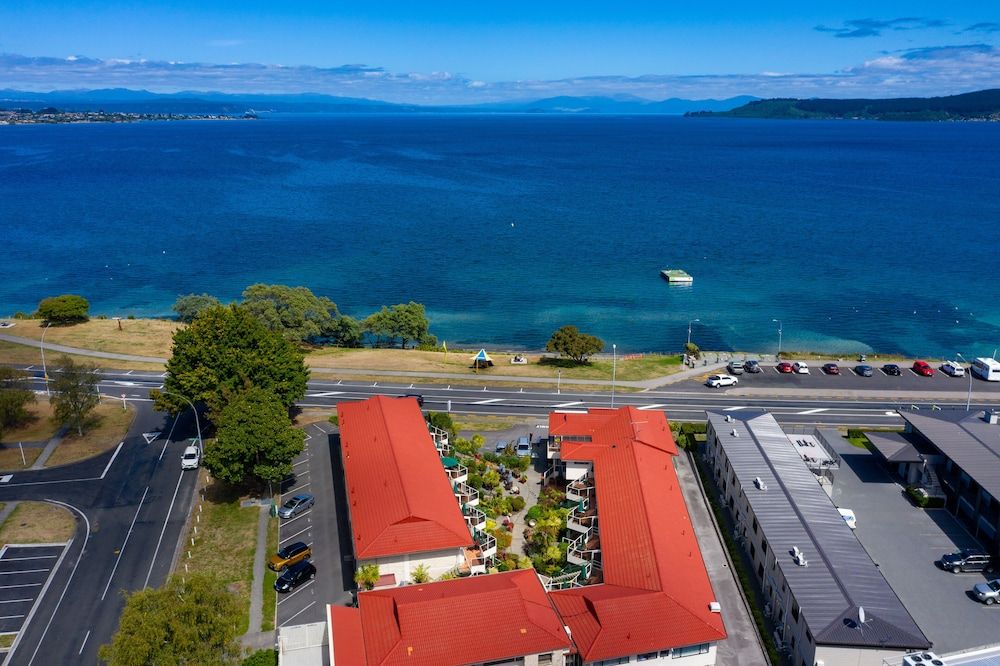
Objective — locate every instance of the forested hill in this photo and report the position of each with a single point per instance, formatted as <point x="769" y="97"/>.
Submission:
<point x="981" y="105"/>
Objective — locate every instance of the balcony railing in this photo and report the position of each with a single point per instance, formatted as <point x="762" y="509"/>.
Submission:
<point x="581" y="489"/>
<point x="474" y="518"/>
<point x="487" y="544"/>
<point x="440" y="438"/>
<point x="457" y="473"/>
<point x="466" y="494"/>
<point x="552" y="448"/>
<point x="584" y="549"/>
<point x="581" y="519"/>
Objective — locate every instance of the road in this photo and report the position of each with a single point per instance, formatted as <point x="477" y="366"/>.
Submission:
<point x="131" y="504"/>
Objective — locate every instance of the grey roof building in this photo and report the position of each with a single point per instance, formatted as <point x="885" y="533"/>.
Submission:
<point x="812" y="568"/>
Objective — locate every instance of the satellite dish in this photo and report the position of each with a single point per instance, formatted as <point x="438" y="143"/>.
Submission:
<point x="861" y="614"/>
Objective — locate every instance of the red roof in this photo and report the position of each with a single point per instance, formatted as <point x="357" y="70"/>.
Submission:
<point x="456" y="622"/>
<point x="656" y="591"/>
<point x="400" y="497"/>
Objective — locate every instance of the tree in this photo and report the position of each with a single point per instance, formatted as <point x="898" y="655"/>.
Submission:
<point x="443" y="421"/>
<point x="65" y="309"/>
<point x="367" y="576"/>
<point x="421" y="574"/>
<point x="569" y="341"/>
<point x="692" y="350"/>
<point x="346" y="332"/>
<point x="295" y="312"/>
<point x="405" y="322"/>
<point x="191" y="305"/>
<point x="74" y="393"/>
<point x="187" y="621"/>
<point x="225" y="351"/>
<point x="261" y="658"/>
<point x="255" y="440"/>
<point x="379" y="325"/>
<point x="14" y="398"/>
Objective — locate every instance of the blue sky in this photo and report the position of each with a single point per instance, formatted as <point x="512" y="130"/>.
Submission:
<point x="468" y="51"/>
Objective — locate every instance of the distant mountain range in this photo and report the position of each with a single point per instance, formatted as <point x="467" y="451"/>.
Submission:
<point x="981" y="105"/>
<point x="143" y="101"/>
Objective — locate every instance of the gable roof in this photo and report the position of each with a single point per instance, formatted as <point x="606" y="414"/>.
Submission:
<point x="656" y="591"/>
<point x="443" y="623"/>
<point x="970" y="442"/>
<point x="399" y="495"/>
<point x="794" y="511"/>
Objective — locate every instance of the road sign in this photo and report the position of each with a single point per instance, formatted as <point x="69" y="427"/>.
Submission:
<point x="150" y="437"/>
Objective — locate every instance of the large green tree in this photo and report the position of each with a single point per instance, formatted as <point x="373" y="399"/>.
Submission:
<point x="190" y="306"/>
<point x="295" y="312"/>
<point x="191" y="620"/>
<point x="255" y="440"/>
<point x="405" y="322"/>
<point x="224" y="352"/>
<point x="14" y="398"/>
<point x="570" y="342"/>
<point x="65" y="309"/>
<point x="74" y="393"/>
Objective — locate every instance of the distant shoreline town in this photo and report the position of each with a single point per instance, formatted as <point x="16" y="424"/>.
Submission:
<point x="52" y="116"/>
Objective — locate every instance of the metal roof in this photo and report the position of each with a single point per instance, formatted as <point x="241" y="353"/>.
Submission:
<point x="794" y="511"/>
<point x="970" y="442"/>
<point x="894" y="447"/>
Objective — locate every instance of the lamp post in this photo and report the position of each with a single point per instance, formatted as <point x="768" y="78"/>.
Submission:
<point x="41" y="348"/>
<point x="779" y="336"/>
<point x="614" y="372"/>
<point x="196" y="421"/>
<point x="689" y="331"/>
<point x="558" y="380"/>
<point x="968" y="371"/>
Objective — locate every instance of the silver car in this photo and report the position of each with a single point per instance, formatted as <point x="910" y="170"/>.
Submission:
<point x="296" y="505"/>
<point x="988" y="592"/>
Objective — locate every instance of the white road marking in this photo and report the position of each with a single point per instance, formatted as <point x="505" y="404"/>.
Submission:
<point x="296" y="489"/>
<point x="301" y="462"/>
<point x="813" y="411"/>
<point x="301" y="515"/>
<point x="296" y="534"/>
<point x="10" y="617"/>
<point x="122" y="551"/>
<point x="734" y="409"/>
<point x="15" y="601"/>
<point x="311" y="604"/>
<point x="84" y="642"/>
<point x="21" y="559"/>
<point x="296" y="591"/>
<point x="111" y="462"/>
<point x="567" y="404"/>
<point x="324" y="394"/>
<point x="11" y="587"/>
<point x="7" y="573"/>
<point x="165" y="520"/>
<point x="651" y="407"/>
<point x="487" y="402"/>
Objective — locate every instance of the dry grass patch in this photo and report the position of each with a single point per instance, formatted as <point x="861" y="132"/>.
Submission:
<point x="6" y="640"/>
<point x="144" y="337"/>
<point x="37" y="522"/>
<point x="11" y="352"/>
<point x="486" y="423"/>
<point x="109" y="425"/>
<point x="10" y="457"/>
<point x="311" y="415"/>
<point x="39" y="428"/>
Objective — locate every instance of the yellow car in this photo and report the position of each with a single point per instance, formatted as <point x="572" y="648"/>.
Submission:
<point x="289" y="555"/>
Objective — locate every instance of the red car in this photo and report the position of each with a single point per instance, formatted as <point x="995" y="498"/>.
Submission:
<point x="785" y="367"/>
<point x="831" y="368"/>
<point x="923" y="368"/>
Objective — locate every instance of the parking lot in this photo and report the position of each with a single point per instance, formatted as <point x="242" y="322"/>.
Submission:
<point x="905" y="542"/>
<point x="23" y="573"/>
<point x="322" y="527"/>
<point x="908" y="380"/>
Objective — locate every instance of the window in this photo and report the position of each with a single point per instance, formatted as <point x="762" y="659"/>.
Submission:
<point x="760" y="571"/>
<point x="647" y="656"/>
<point x="545" y="659"/>
<point x="753" y="552"/>
<point x="611" y="662"/>
<point x="795" y="610"/>
<point x="755" y="526"/>
<point x="664" y="653"/>
<point x="690" y="650"/>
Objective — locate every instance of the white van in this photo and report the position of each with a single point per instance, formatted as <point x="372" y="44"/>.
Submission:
<point x="987" y="368"/>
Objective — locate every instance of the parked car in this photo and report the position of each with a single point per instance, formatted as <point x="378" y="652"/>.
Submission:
<point x="294" y="576"/>
<point x="523" y="446"/>
<point x="967" y="559"/>
<point x="785" y="367"/>
<point x="849" y="518"/>
<point x="988" y="592"/>
<point x="864" y="370"/>
<point x="419" y="398"/>
<point x="735" y="367"/>
<point x="752" y="366"/>
<point x="190" y="458"/>
<point x="501" y="446"/>
<point x="892" y="370"/>
<point x="289" y="556"/>
<point x="801" y="368"/>
<point x="296" y="505"/>
<point x="953" y="369"/>
<point x="831" y="368"/>
<point x="923" y="368"/>
<point x="718" y="381"/>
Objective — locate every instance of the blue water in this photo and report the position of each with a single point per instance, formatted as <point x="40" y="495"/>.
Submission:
<point x="856" y="235"/>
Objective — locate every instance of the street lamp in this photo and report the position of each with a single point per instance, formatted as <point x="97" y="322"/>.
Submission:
<point x="968" y="371"/>
<point x="614" y="372"/>
<point x="196" y="421"/>
<point x="779" y="335"/>
<point x="41" y="348"/>
<point x="558" y="380"/>
<point x="689" y="330"/>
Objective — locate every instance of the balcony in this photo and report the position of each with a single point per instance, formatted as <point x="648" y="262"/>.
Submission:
<point x="583" y="518"/>
<point x="466" y="494"/>
<point x="457" y="473"/>
<point x="580" y="490"/>
<point x="474" y="518"/>
<point x="440" y="438"/>
<point x="584" y="549"/>
<point x="487" y="544"/>
<point x="552" y="449"/>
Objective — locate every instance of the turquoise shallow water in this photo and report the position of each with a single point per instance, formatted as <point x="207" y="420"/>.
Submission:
<point x="857" y="235"/>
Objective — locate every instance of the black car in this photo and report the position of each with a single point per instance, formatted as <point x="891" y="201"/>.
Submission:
<point x="892" y="370"/>
<point x="967" y="559"/>
<point x="752" y="366"/>
<point x="864" y="370"/>
<point x="419" y="398"/>
<point x="294" y="576"/>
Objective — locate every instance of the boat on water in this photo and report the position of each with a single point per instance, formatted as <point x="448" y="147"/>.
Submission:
<point x="676" y="276"/>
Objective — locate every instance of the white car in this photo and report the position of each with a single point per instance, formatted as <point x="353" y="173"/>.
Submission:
<point x="953" y="369"/>
<point x="718" y="381"/>
<point x="190" y="458"/>
<point x="849" y="518"/>
<point x="800" y="368"/>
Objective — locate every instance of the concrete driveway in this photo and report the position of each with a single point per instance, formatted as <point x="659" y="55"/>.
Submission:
<point x="906" y="541"/>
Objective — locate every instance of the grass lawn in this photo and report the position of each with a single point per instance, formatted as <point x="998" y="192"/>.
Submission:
<point x="313" y="415"/>
<point x="6" y="640"/>
<point x="144" y="337"/>
<point x="38" y="429"/>
<point x="11" y="352"/>
<point x="224" y="544"/>
<point x="486" y="423"/>
<point x="37" y="522"/>
<point x="270" y="596"/>
<point x="110" y="423"/>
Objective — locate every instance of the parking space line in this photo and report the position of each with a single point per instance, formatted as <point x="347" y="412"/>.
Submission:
<point x="11" y="587"/>
<point x="301" y="462"/>
<point x="10" y="617"/>
<point x="16" y="601"/>
<point x="301" y="515"/>
<point x="311" y="604"/>
<point x="295" y="489"/>
<point x="22" y="559"/>
<point x="7" y="573"/>
<point x="299" y="589"/>
<point x="296" y="534"/>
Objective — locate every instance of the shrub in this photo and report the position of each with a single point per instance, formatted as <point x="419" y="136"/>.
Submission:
<point x="463" y="446"/>
<point x="443" y="421"/>
<point x="692" y="350"/>
<point x="262" y="658"/>
<point x="570" y="342"/>
<point x="517" y="503"/>
<point x="65" y="309"/>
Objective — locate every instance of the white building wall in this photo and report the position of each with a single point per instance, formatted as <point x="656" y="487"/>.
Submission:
<point x="667" y="657"/>
<point x="576" y="470"/>
<point x="841" y="656"/>
<point x="438" y="562"/>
